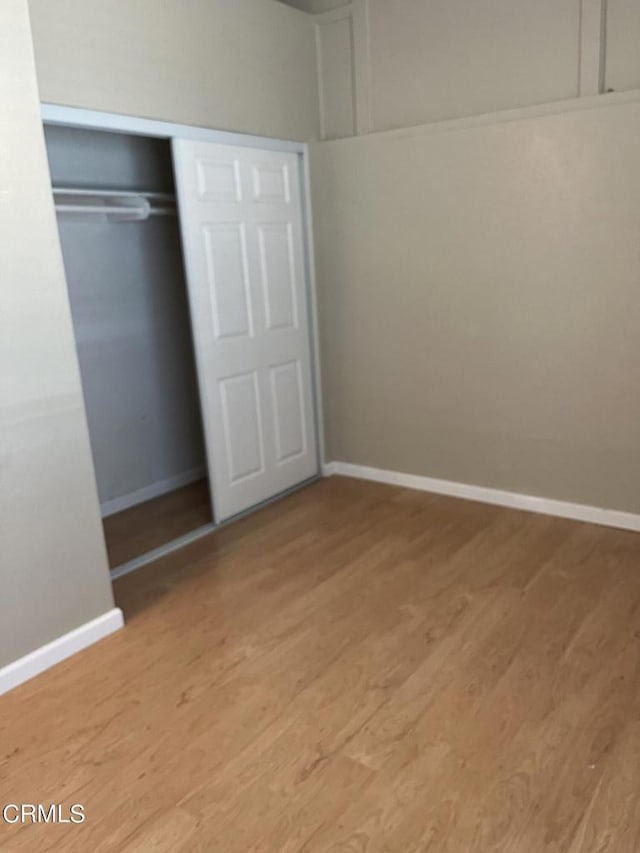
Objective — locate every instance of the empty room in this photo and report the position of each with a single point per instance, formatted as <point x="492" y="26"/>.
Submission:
<point x="320" y="426"/>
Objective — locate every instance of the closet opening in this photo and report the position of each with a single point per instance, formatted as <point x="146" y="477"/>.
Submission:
<point x="120" y="236"/>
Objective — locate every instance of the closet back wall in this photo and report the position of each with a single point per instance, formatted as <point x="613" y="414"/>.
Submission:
<point x="129" y="305"/>
<point x="246" y="66"/>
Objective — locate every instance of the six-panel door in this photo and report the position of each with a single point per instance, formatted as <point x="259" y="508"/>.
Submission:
<point x="241" y="221"/>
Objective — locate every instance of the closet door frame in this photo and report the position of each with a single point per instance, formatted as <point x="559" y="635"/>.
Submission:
<point x="53" y="114"/>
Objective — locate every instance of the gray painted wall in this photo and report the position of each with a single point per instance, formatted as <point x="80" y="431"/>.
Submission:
<point x="53" y="566"/>
<point x="129" y="305"/>
<point x="242" y="65"/>
<point x="480" y="302"/>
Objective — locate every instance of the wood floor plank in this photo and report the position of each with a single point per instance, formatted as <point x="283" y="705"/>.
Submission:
<point x="143" y="527"/>
<point x="358" y="667"/>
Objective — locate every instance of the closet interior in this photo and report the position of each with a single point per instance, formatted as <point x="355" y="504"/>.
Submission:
<point x="119" y="230"/>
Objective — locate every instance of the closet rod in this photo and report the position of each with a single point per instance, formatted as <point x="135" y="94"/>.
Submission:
<point x="142" y="212"/>
<point x="123" y="205"/>
<point x="102" y="193"/>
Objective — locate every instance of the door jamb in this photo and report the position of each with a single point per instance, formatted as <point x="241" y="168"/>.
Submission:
<point x="119" y="123"/>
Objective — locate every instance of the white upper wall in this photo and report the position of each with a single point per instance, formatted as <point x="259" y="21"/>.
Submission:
<point x="245" y="66"/>
<point x="442" y="59"/>
<point x="385" y="65"/>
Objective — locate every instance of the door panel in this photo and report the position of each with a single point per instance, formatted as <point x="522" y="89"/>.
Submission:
<point x="288" y="409"/>
<point x="228" y="278"/>
<point x="271" y="182"/>
<point x="240" y="211"/>
<point x="218" y="180"/>
<point x="278" y="275"/>
<point x="243" y="437"/>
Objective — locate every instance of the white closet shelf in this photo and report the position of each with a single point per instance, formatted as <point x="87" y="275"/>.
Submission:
<point x="117" y="205"/>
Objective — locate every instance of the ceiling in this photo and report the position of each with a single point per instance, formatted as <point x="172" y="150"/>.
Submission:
<point x="315" y="6"/>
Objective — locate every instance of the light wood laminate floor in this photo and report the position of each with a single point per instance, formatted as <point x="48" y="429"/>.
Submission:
<point x="148" y="525"/>
<point x="356" y="668"/>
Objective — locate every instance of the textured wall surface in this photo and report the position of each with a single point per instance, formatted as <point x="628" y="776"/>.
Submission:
<point x="53" y="568"/>
<point x="480" y="303"/>
<point x="245" y="66"/>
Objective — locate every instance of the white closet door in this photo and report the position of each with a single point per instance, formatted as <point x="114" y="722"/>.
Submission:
<point x="241" y="220"/>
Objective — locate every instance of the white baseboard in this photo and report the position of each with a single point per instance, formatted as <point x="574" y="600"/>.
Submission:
<point x="155" y="490"/>
<point x="58" y="650"/>
<point x="329" y="469"/>
<point x="545" y="506"/>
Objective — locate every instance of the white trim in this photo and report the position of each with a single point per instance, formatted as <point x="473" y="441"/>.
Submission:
<point x="604" y="17"/>
<point x="58" y="650"/>
<point x="551" y="108"/>
<point x="198" y="533"/>
<point x="362" y="68"/>
<point x="530" y="503"/>
<point x="331" y="468"/>
<point x="163" y="550"/>
<point x="94" y="119"/>
<point x="341" y="13"/>
<point x="319" y="78"/>
<point x="162" y="487"/>
<point x="312" y="293"/>
<point x="337" y="14"/>
<point x="591" y="47"/>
